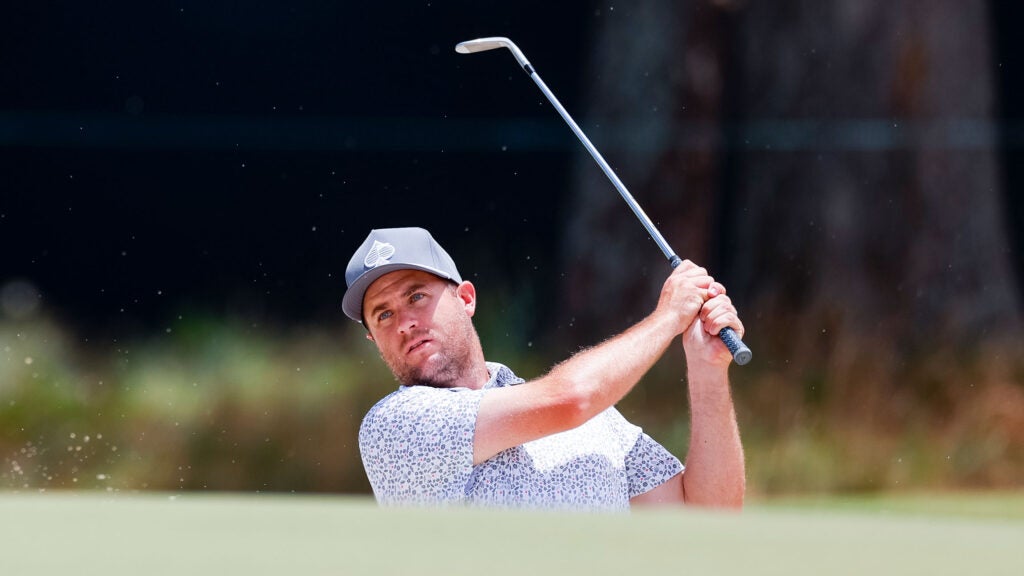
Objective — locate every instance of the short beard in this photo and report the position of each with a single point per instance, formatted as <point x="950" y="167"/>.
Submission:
<point x="455" y="360"/>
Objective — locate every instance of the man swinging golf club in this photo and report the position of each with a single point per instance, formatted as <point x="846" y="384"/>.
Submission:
<point x="462" y="430"/>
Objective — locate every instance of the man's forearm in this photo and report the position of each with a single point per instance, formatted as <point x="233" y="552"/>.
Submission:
<point x="715" y="472"/>
<point x="602" y="375"/>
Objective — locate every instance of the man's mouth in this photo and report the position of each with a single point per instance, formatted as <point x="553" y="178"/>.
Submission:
<point x="417" y="345"/>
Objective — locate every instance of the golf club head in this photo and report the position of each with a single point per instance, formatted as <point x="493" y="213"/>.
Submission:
<point x="491" y="43"/>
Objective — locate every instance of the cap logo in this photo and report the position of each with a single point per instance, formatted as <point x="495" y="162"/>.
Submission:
<point x="379" y="254"/>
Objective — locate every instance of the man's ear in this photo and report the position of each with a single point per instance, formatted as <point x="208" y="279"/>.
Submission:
<point x="467" y="293"/>
<point x="370" y="336"/>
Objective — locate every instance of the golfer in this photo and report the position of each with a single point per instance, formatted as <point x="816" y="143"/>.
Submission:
<point x="461" y="430"/>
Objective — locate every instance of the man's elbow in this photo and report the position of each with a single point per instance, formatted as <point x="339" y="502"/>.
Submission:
<point x="572" y="401"/>
<point x="578" y="407"/>
<point x="729" y="502"/>
<point x="726" y="496"/>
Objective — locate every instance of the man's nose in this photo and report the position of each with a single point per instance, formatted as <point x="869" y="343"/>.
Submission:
<point x="407" y="321"/>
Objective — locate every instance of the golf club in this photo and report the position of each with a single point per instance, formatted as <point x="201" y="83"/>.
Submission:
<point x="740" y="352"/>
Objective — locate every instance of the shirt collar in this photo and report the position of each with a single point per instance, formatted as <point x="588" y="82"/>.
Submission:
<point x="501" y="376"/>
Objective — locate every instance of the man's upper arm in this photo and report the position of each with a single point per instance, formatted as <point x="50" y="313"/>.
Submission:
<point x="514" y="415"/>
<point x="669" y="492"/>
<point x="655" y="474"/>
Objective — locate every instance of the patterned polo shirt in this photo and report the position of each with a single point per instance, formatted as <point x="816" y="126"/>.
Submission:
<point x="417" y="449"/>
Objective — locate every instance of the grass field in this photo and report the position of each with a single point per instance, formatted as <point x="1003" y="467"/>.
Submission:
<point x="197" y="533"/>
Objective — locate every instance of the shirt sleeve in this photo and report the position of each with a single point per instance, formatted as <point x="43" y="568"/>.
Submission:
<point x="649" y="465"/>
<point x="417" y="445"/>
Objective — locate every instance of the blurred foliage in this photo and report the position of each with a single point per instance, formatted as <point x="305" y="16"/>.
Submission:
<point x="209" y="405"/>
<point x="856" y="415"/>
<point x="225" y="405"/>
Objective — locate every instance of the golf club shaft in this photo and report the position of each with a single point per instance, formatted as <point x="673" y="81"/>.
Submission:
<point x="740" y="352"/>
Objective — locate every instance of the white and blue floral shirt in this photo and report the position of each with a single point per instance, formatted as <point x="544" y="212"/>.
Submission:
<point x="417" y="448"/>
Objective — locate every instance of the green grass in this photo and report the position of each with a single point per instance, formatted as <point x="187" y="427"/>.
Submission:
<point x="203" y="533"/>
<point x="982" y="505"/>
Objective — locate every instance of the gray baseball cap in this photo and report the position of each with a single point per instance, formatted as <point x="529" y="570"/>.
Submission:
<point x="387" y="250"/>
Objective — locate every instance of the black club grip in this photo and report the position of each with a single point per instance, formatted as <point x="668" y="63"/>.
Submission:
<point x="741" y="353"/>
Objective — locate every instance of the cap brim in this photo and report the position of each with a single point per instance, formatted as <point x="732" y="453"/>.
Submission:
<point x="352" y="302"/>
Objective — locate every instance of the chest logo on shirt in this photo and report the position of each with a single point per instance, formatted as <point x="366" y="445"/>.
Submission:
<point x="380" y="253"/>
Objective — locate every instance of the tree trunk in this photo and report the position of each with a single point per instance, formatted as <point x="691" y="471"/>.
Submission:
<point x="657" y="100"/>
<point x="889" y="225"/>
<point x="862" y="185"/>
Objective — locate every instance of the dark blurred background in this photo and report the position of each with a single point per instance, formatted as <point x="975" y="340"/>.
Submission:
<point x="182" y="184"/>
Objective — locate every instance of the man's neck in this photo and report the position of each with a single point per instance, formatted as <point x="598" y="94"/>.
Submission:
<point x="478" y="376"/>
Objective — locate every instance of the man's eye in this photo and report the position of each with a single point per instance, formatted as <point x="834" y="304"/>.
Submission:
<point x="417" y="297"/>
<point x="384" y="315"/>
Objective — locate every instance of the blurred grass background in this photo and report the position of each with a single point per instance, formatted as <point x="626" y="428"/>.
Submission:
<point x="222" y="405"/>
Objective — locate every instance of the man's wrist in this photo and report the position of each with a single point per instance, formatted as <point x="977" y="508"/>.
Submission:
<point x="707" y="376"/>
<point x="707" y="371"/>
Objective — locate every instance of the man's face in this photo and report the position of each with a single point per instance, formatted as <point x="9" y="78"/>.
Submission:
<point x="421" y="325"/>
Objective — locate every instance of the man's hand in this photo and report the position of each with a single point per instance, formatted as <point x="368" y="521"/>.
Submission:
<point x="684" y="294"/>
<point x="701" y="341"/>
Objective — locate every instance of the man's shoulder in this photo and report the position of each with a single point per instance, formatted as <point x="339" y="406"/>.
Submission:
<point x="413" y="403"/>
<point x="403" y="397"/>
<point x="415" y="419"/>
<point x="410" y="402"/>
<point x="413" y="394"/>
